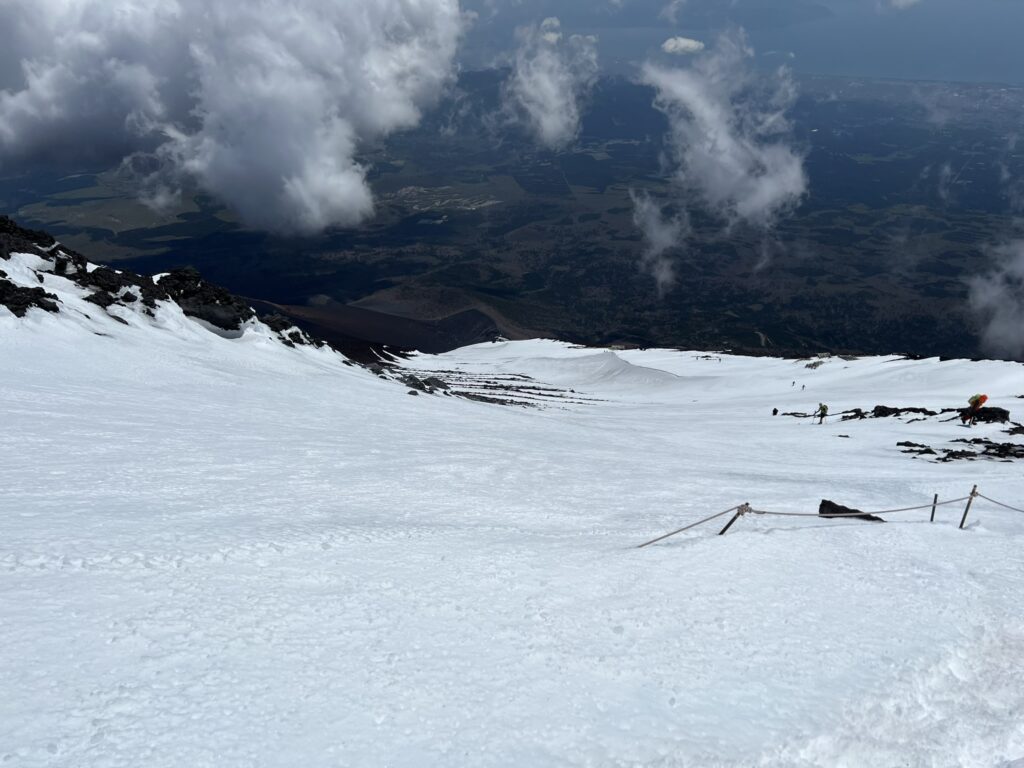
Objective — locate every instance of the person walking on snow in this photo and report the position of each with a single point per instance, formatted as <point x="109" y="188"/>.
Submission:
<point x="822" y="412"/>
<point x="970" y="416"/>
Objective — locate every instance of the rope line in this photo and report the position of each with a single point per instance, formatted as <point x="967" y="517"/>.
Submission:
<point x="692" y="525"/>
<point x="858" y="514"/>
<point x="742" y="509"/>
<point x="986" y="498"/>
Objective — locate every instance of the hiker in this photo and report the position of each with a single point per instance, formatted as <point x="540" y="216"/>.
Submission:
<point x="822" y="413"/>
<point x="775" y="411"/>
<point x="970" y="415"/>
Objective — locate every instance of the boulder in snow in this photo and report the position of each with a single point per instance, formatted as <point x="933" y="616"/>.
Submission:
<point x="831" y="509"/>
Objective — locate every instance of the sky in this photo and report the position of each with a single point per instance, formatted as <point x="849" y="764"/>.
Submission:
<point x="954" y="40"/>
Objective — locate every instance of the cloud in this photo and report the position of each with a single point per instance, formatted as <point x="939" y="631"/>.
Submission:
<point x="682" y="46"/>
<point x="729" y="137"/>
<point x="551" y="78"/>
<point x="671" y="11"/>
<point x="941" y="103"/>
<point x="901" y="4"/>
<point x="264" y="104"/>
<point x="997" y="301"/>
<point x="661" y="234"/>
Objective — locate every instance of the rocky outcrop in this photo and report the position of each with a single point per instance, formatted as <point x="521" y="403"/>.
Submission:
<point x="288" y="332"/>
<point x="991" y="415"/>
<point x="429" y="385"/>
<point x="200" y="299"/>
<point x="20" y="300"/>
<point x="184" y="286"/>
<point x="831" y="509"/>
<point x="915" y="448"/>
<point x="109" y="287"/>
<point x="992" y="450"/>
<point x="15" y="239"/>
<point x="884" y="411"/>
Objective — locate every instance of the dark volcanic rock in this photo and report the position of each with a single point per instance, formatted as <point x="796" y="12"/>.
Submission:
<point x="205" y="301"/>
<point x="883" y="411"/>
<point x="107" y="279"/>
<point x="431" y="385"/>
<point x="413" y="382"/>
<point x="101" y="299"/>
<point x="435" y="383"/>
<point x="993" y="415"/>
<point x="15" y="239"/>
<point x="277" y="322"/>
<point x="993" y="450"/>
<point x="915" y="448"/>
<point x="19" y="300"/>
<point x="831" y="509"/>
<point x="196" y="297"/>
<point x="1004" y="450"/>
<point x="958" y="455"/>
<point x="288" y="331"/>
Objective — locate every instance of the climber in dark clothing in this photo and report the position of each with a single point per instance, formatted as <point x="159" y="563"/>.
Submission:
<point x="822" y="412"/>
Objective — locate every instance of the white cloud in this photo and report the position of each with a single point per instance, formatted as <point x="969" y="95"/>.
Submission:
<point x="901" y="4"/>
<point x="729" y="136"/>
<point x="662" y="234"/>
<point x="997" y="301"/>
<point x="682" y="46"/>
<point x="671" y="11"/>
<point x="551" y="78"/>
<point x="264" y="103"/>
<point x="946" y="181"/>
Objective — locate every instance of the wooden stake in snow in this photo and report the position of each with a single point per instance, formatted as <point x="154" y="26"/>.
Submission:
<point x="742" y="510"/>
<point x="935" y="503"/>
<point x="974" y="492"/>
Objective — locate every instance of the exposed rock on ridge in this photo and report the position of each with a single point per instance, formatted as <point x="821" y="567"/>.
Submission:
<point x="109" y="287"/>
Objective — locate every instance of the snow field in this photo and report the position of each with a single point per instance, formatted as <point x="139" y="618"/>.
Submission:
<point x="225" y="552"/>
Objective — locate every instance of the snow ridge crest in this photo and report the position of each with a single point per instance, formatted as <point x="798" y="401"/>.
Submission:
<point x="38" y="273"/>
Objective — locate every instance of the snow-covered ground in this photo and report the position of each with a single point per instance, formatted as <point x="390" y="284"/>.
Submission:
<point x="227" y="552"/>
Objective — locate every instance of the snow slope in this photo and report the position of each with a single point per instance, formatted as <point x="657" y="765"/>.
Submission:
<point x="227" y="552"/>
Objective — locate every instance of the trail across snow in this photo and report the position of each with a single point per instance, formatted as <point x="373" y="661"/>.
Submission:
<point x="225" y="552"/>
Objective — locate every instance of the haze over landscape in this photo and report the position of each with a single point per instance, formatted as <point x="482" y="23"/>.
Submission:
<point x="700" y="174"/>
<point x="375" y="376"/>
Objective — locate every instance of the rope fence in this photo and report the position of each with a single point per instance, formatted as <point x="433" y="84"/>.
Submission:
<point x="859" y="514"/>
<point x="745" y="509"/>
<point x="1001" y="504"/>
<point x="688" y="527"/>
